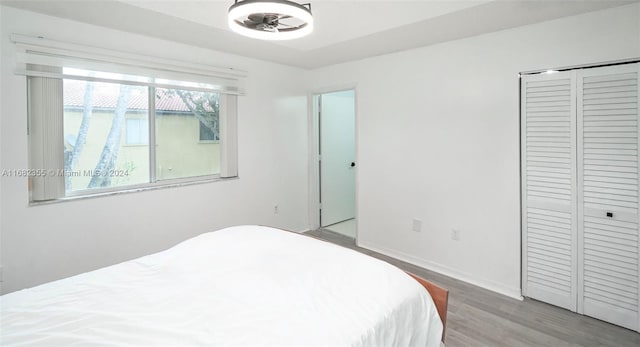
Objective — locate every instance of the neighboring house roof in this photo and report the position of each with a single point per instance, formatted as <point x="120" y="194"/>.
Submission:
<point x="106" y="96"/>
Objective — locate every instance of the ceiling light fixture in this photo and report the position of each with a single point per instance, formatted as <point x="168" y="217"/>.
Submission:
<point x="270" y="19"/>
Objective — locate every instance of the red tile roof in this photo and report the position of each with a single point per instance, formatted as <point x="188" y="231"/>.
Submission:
<point x="105" y="95"/>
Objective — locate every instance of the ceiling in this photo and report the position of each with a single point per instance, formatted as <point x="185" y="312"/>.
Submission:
<point x="344" y="30"/>
<point x="335" y="21"/>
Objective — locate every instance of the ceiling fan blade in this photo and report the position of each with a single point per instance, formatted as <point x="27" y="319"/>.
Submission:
<point x="265" y="27"/>
<point x="266" y="21"/>
<point x="256" y="17"/>
<point x="250" y="23"/>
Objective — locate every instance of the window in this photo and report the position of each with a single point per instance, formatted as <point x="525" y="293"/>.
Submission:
<point x="102" y="120"/>
<point x="137" y="131"/>
<point x="178" y="133"/>
<point x="207" y="133"/>
<point x="93" y="131"/>
<point x="97" y="125"/>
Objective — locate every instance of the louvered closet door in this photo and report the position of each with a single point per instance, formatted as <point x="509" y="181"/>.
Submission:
<point x="608" y="194"/>
<point x="549" y="188"/>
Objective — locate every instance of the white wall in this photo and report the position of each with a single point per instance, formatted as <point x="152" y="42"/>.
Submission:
<point x="48" y="242"/>
<point x="438" y="139"/>
<point x="437" y="135"/>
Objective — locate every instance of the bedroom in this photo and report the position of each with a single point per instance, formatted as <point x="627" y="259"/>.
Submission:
<point x="422" y="152"/>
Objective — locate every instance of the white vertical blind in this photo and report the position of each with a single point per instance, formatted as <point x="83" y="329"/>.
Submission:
<point x="46" y="147"/>
<point x="608" y="193"/>
<point x="548" y="188"/>
<point x="229" y="136"/>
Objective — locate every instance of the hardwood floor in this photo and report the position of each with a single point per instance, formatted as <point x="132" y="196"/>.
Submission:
<point x="479" y="317"/>
<point x="346" y="228"/>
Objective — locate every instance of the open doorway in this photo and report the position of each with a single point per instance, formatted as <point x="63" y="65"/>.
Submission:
<point x="337" y="161"/>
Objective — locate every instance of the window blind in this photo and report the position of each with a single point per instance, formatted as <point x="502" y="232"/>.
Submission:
<point x="229" y="137"/>
<point x="45" y="134"/>
<point x="47" y="63"/>
<point x="73" y="61"/>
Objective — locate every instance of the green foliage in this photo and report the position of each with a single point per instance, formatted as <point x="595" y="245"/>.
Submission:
<point x="204" y="106"/>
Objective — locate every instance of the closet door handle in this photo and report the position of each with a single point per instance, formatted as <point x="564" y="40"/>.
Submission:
<point x="609" y="214"/>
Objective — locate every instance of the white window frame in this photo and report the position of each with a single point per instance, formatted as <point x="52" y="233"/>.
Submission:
<point x="45" y="62"/>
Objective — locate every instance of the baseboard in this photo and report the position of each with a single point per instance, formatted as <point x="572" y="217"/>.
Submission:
<point x="499" y="288"/>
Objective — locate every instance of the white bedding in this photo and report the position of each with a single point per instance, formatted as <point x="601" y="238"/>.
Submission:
<point x="245" y="285"/>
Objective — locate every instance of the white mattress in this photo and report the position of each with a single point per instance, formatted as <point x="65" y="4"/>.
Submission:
<point x="245" y="285"/>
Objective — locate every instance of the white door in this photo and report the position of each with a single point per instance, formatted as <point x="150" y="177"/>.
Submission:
<point x="549" y="209"/>
<point x="337" y="157"/>
<point x="608" y="194"/>
<point x="580" y="189"/>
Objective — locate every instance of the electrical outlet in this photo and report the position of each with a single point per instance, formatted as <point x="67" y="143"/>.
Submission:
<point x="417" y="225"/>
<point x="275" y="209"/>
<point x="455" y="234"/>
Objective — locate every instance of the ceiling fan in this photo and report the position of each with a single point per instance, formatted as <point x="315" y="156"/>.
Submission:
<point x="266" y="22"/>
<point x="271" y="19"/>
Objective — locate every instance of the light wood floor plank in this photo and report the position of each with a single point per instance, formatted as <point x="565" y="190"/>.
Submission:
<point x="479" y="317"/>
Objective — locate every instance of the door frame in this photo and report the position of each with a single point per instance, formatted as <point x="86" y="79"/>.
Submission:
<point x="313" y="133"/>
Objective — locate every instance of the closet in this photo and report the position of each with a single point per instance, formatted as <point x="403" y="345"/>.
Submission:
<point x="579" y="143"/>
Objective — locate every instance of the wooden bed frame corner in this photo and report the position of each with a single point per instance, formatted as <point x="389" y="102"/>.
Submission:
<point x="440" y="297"/>
<point x="439" y="294"/>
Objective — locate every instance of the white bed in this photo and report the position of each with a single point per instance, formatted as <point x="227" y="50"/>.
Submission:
<point x="246" y="285"/>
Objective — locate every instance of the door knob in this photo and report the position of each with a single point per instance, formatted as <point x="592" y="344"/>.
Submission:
<point x="353" y="164"/>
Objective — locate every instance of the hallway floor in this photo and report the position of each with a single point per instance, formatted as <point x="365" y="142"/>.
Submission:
<point x="346" y="228"/>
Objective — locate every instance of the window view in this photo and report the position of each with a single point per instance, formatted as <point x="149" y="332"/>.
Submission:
<point x="206" y="134"/>
<point x="106" y="134"/>
<point x="187" y="133"/>
<point x="137" y="132"/>
<point x="93" y="132"/>
<point x="100" y="121"/>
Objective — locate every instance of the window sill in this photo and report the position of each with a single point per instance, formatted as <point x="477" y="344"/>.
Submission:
<point x="136" y="189"/>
